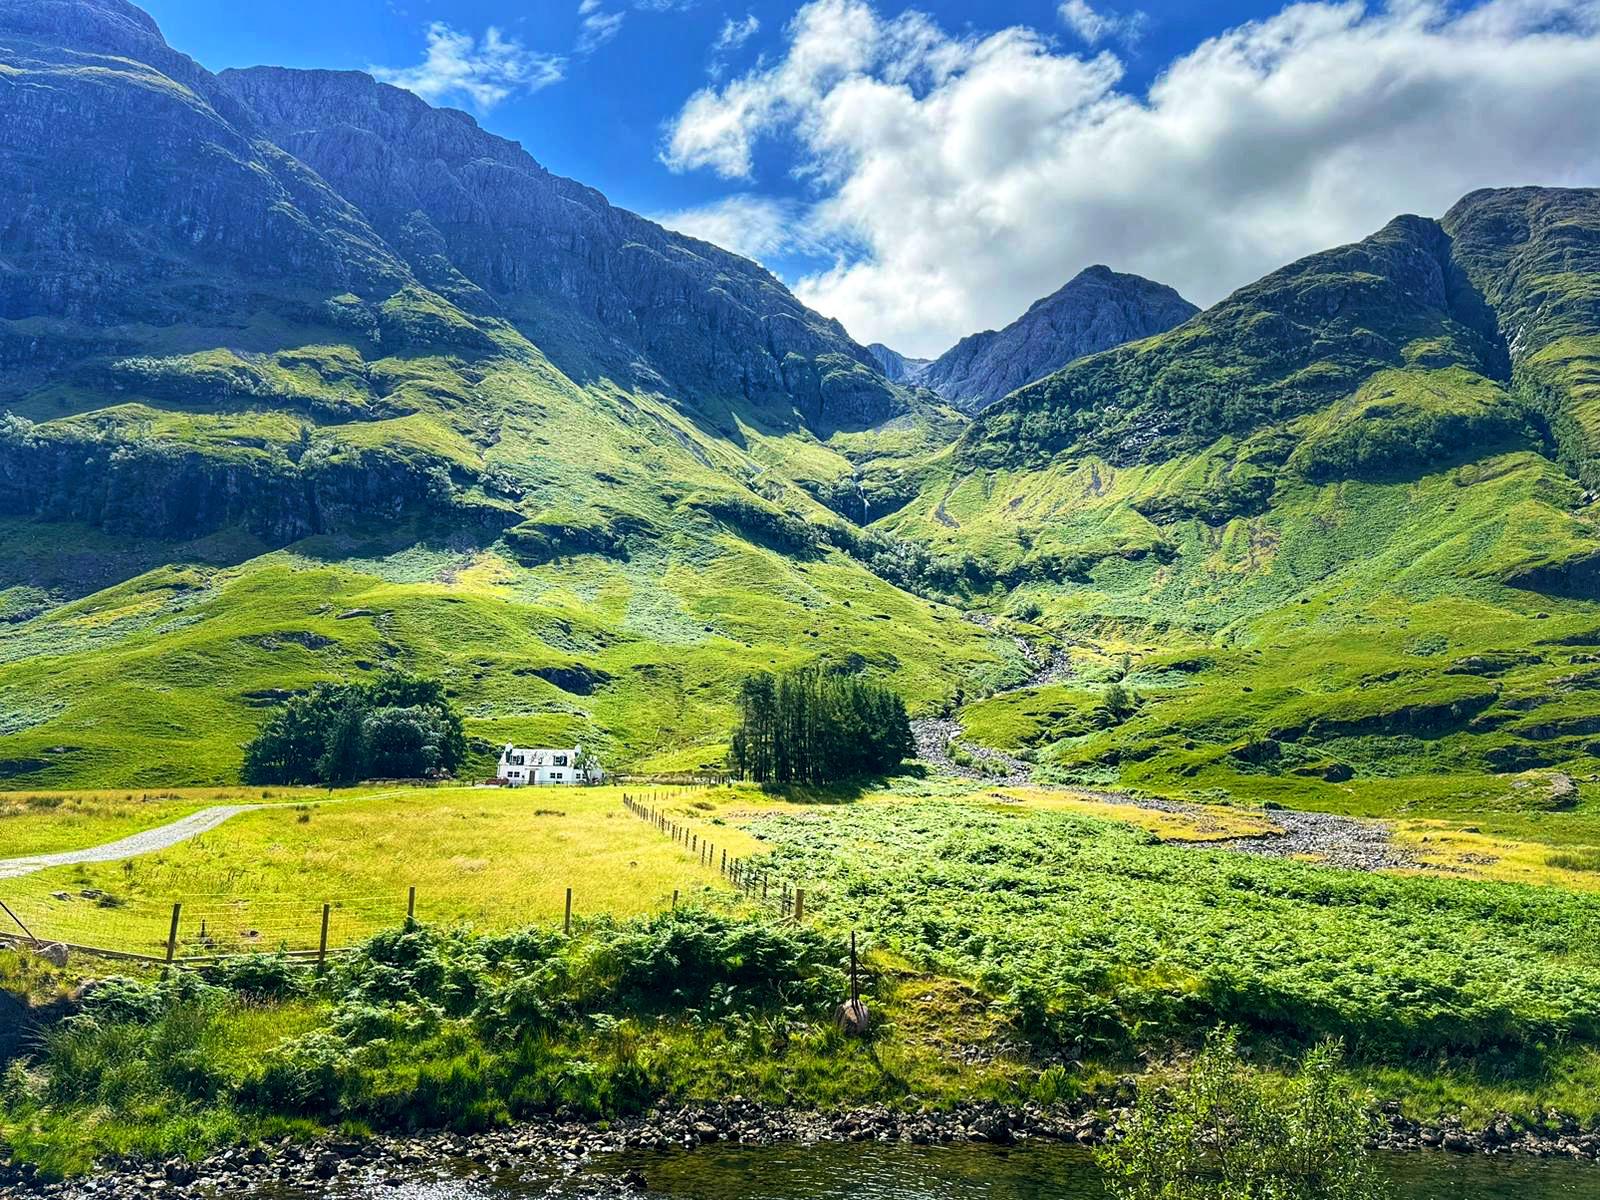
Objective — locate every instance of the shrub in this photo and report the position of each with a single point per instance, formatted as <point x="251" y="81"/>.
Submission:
<point x="399" y="726"/>
<point x="1223" y="1132"/>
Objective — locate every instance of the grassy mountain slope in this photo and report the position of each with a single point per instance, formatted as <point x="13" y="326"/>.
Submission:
<point x="249" y="443"/>
<point x="1329" y="521"/>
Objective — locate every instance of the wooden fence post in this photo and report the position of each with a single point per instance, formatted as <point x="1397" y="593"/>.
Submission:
<point x="411" y="903"/>
<point x="322" y="944"/>
<point x="674" y="897"/>
<point x="799" y="904"/>
<point x="566" y="926"/>
<point x="172" y="934"/>
<point x="724" y="862"/>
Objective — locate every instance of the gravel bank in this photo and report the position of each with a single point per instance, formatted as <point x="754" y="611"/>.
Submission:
<point x="339" y="1166"/>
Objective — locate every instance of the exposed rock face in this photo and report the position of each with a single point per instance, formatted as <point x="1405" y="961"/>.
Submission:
<point x="133" y="189"/>
<point x="596" y="287"/>
<point x="897" y="368"/>
<point x="1098" y="309"/>
<point x="167" y="236"/>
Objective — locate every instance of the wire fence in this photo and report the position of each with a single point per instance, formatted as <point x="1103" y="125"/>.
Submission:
<point x="754" y="880"/>
<point x="203" y="928"/>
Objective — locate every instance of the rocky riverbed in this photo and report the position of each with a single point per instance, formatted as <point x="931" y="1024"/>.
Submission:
<point x="560" y="1145"/>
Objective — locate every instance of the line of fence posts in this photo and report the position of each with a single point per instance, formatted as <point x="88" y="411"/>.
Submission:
<point x="320" y="955"/>
<point x="754" y="884"/>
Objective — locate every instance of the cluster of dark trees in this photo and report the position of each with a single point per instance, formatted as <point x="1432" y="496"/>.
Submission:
<point x="813" y="726"/>
<point x="396" y="727"/>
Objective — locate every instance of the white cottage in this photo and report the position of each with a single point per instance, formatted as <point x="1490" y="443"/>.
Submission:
<point x="520" y="767"/>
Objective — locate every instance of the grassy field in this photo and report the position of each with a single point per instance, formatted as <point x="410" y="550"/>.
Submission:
<point x="1462" y="996"/>
<point x="1022" y="944"/>
<point x="47" y="822"/>
<point x="492" y="858"/>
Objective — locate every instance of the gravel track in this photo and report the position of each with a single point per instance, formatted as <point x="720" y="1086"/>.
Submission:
<point x="144" y="842"/>
<point x="148" y="841"/>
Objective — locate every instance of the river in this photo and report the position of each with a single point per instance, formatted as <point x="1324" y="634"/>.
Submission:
<point x="897" y="1171"/>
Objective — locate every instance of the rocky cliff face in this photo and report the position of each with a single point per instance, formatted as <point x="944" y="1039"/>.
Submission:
<point x="283" y="253"/>
<point x="132" y="189"/>
<point x="596" y="287"/>
<point x="896" y="367"/>
<point x="1096" y="310"/>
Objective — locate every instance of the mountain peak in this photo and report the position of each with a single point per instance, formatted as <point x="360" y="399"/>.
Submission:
<point x="81" y="22"/>
<point x="1096" y="309"/>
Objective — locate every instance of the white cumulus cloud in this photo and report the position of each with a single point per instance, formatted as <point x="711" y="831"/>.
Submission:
<point x="1094" y="25"/>
<point x="483" y="71"/>
<point x="754" y="226"/>
<point x="972" y="174"/>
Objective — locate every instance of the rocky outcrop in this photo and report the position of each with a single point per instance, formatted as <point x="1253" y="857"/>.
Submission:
<point x="162" y="489"/>
<point x="1097" y="310"/>
<point x="598" y="288"/>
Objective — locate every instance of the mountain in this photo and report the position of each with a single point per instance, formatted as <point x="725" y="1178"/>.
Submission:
<point x="897" y="368"/>
<point x="600" y="290"/>
<point x="1342" y="522"/>
<point x="305" y="379"/>
<point x="1096" y="310"/>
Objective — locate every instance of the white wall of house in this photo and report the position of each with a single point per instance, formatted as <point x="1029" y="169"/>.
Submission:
<point x="537" y="767"/>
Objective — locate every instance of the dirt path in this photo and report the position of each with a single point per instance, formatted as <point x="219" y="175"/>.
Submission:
<point x="144" y="842"/>
<point x="147" y="841"/>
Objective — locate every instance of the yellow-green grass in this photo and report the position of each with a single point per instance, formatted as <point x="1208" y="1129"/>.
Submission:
<point x="489" y="857"/>
<point x="161" y="679"/>
<point x="1204" y="824"/>
<point x="50" y="822"/>
<point x="1464" y="849"/>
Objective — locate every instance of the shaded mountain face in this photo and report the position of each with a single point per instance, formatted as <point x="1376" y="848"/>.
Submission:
<point x="1096" y="310"/>
<point x="1534" y="256"/>
<point x="1297" y="339"/>
<point x="297" y="242"/>
<point x="598" y="289"/>
<point x="896" y="367"/>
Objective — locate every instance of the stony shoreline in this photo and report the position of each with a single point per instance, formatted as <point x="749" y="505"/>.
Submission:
<point x="557" y="1145"/>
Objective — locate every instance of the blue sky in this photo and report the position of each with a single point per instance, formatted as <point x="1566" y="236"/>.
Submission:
<point x="924" y="172"/>
<point x="603" y="123"/>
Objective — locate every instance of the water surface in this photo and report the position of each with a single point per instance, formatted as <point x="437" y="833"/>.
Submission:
<point x="896" y="1171"/>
